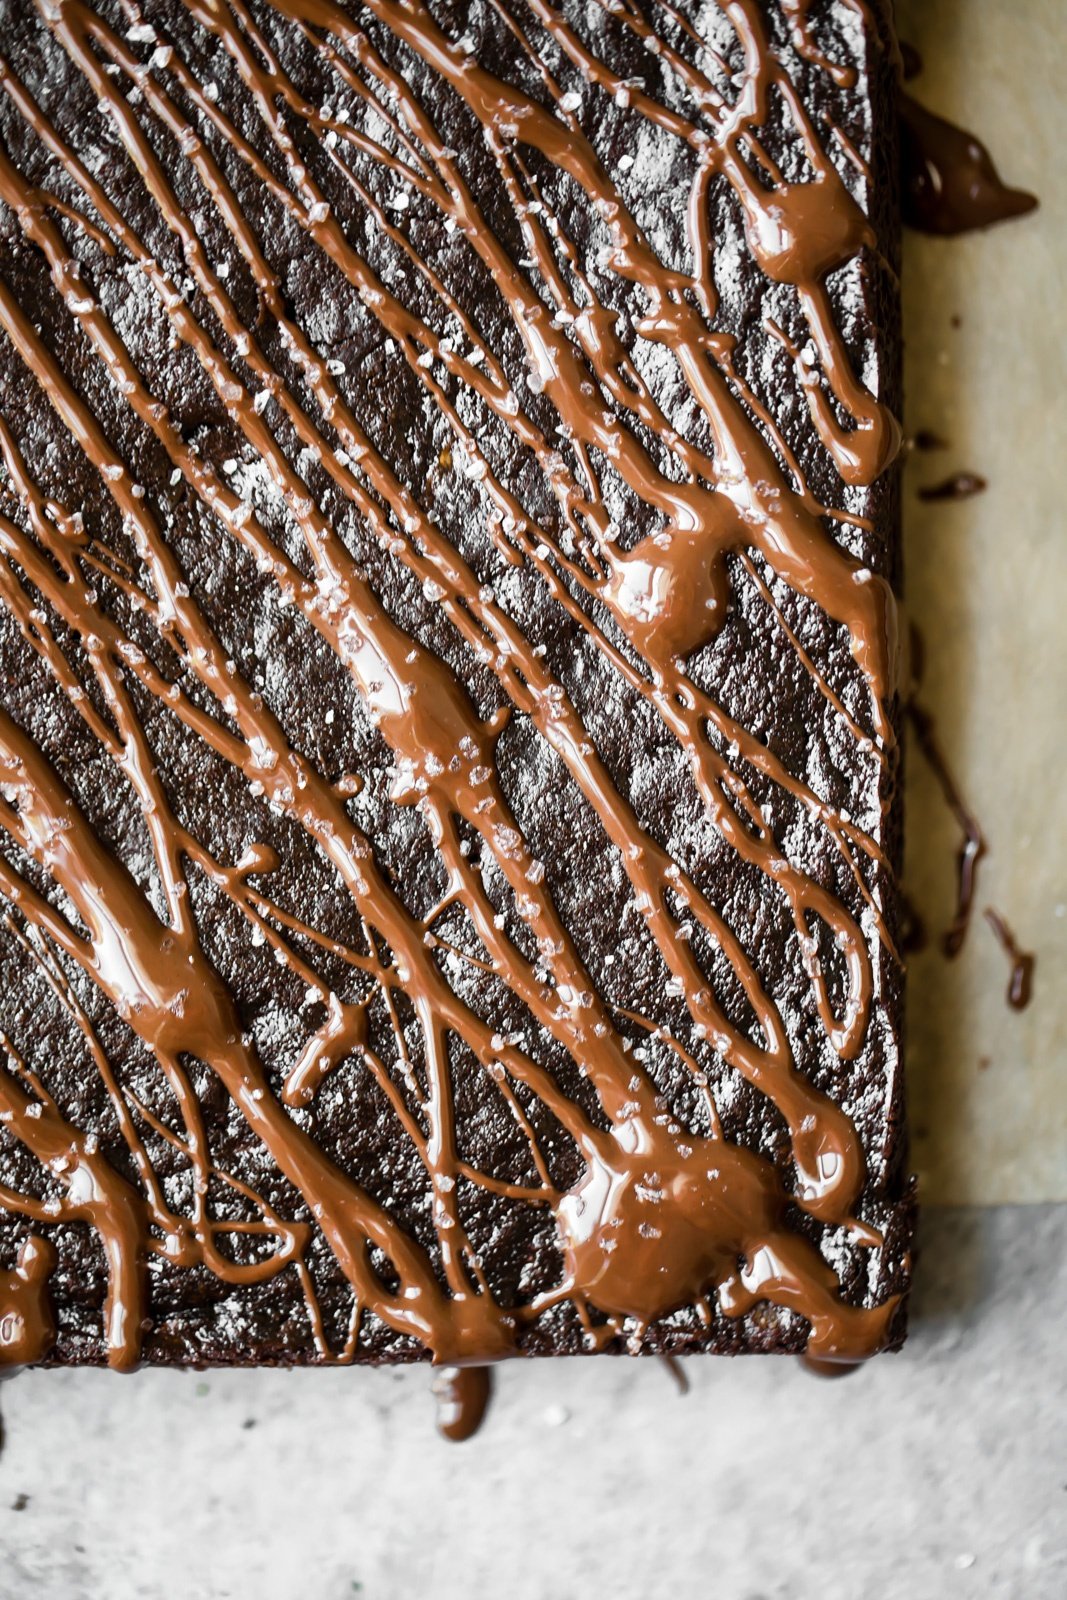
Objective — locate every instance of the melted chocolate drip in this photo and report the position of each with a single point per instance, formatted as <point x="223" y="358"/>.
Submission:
<point x="663" y="1216"/>
<point x="926" y="439"/>
<point x="1021" y="981"/>
<point x="827" y="1369"/>
<point x="677" y="1372"/>
<point x="27" y="1327"/>
<point x="950" y="184"/>
<point x="972" y="845"/>
<point x="960" y="486"/>
<point x="462" y="1395"/>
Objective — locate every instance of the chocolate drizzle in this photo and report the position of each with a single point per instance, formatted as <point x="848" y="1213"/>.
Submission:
<point x="1021" y="981"/>
<point x="972" y="840"/>
<point x="27" y="1327"/>
<point x="664" y="1214"/>
<point x="971" y="851"/>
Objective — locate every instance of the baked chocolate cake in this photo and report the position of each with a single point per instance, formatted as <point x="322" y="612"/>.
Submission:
<point x="449" y="809"/>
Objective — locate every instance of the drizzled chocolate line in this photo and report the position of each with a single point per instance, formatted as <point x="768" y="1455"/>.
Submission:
<point x="27" y="1327"/>
<point x="972" y="840"/>
<point x="1021" y="982"/>
<point x="972" y="850"/>
<point x="663" y="1216"/>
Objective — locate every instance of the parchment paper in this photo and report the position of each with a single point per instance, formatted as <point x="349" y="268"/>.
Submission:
<point x="987" y="585"/>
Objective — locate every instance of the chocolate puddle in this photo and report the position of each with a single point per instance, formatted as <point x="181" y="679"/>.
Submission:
<point x="950" y="184"/>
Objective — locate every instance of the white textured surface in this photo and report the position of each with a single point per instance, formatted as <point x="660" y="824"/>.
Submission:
<point x="936" y="1474"/>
